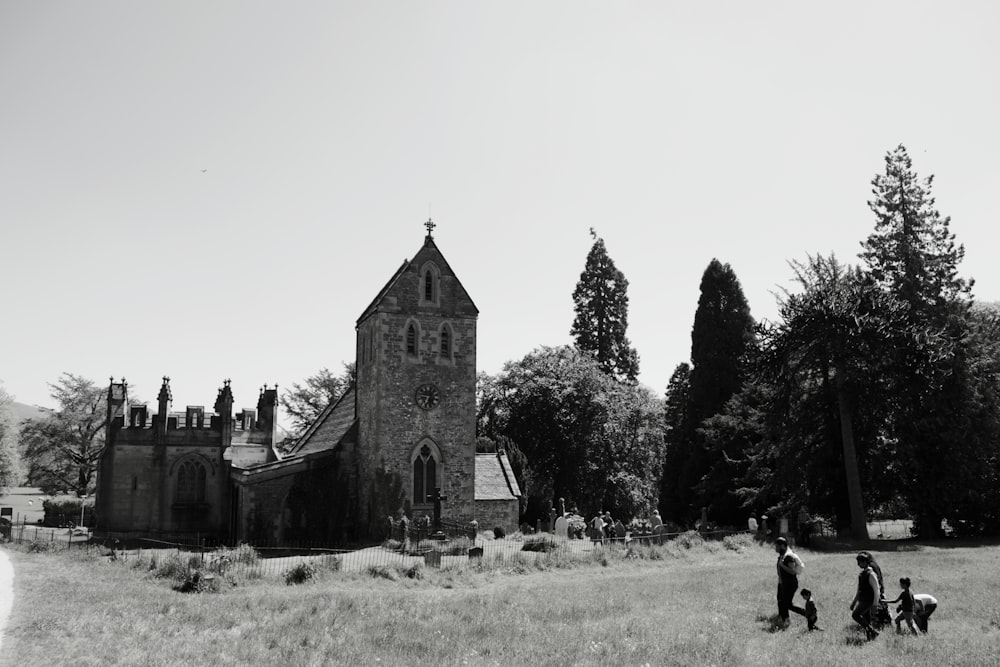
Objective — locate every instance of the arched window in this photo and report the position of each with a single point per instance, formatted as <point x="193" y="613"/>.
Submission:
<point x="191" y="482"/>
<point x="445" y="341"/>
<point x="428" y="285"/>
<point x="411" y="339"/>
<point x="424" y="475"/>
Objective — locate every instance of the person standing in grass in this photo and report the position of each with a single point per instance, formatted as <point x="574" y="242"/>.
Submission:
<point x="789" y="567"/>
<point x="906" y="606"/>
<point x="597" y="528"/>
<point x="867" y="596"/>
<point x="811" y="615"/>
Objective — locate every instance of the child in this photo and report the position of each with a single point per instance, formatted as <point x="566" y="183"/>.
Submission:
<point x="906" y="606"/>
<point x="810" y="608"/>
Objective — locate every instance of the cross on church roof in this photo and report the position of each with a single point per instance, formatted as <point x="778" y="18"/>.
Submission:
<point x="430" y="226"/>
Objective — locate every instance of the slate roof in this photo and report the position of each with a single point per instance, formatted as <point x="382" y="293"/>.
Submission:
<point x="495" y="479"/>
<point x="330" y="427"/>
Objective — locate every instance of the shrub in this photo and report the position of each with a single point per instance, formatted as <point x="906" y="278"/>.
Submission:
<point x="40" y="546"/>
<point x="382" y="572"/>
<point x="689" y="540"/>
<point x="499" y="533"/>
<point x="198" y="582"/>
<point x="300" y="574"/>
<point x="541" y="543"/>
<point x="64" y="510"/>
<point x="244" y="554"/>
<point x="415" y="571"/>
<point x="171" y="567"/>
<point x="738" y="542"/>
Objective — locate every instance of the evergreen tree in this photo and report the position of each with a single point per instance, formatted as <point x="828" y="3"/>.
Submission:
<point x="677" y="442"/>
<point x="721" y="341"/>
<point x="912" y="254"/>
<point x="601" y="305"/>
<point x="721" y="338"/>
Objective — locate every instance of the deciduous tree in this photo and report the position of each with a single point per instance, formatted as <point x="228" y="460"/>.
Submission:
<point x="584" y="436"/>
<point x="62" y="450"/>
<point x="305" y="401"/>
<point x="10" y="464"/>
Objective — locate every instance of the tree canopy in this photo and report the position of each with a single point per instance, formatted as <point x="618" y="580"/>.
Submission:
<point x="306" y="400"/>
<point x="10" y="464"/>
<point x="584" y="436"/>
<point x="601" y="304"/>
<point x="62" y="450"/>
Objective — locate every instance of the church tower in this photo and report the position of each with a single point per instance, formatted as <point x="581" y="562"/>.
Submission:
<point x="416" y="393"/>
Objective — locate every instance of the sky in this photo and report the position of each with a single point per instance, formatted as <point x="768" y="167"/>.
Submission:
<point x="217" y="190"/>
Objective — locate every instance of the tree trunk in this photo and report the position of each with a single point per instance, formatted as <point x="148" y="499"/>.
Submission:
<point x="859" y="522"/>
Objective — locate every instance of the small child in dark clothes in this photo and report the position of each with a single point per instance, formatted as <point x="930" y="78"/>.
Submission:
<point x="906" y="606"/>
<point x="810" y="608"/>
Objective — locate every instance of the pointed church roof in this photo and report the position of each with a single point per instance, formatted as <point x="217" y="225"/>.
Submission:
<point x="398" y="286"/>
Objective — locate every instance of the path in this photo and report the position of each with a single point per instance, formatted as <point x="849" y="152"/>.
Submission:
<point x="6" y="590"/>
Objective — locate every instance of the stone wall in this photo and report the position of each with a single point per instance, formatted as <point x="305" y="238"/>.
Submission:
<point x="503" y="513"/>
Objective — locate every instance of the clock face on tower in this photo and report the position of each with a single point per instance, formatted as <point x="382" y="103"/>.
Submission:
<point x="427" y="396"/>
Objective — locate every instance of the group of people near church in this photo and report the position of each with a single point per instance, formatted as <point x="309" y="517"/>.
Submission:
<point x="869" y="608"/>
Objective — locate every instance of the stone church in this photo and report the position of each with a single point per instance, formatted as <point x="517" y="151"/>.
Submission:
<point x="404" y="429"/>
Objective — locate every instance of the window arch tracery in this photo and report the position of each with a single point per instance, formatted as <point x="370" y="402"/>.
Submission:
<point x="425" y="468"/>
<point x="191" y="476"/>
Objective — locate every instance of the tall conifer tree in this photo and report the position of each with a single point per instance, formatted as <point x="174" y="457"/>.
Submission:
<point x="677" y="440"/>
<point x="721" y="340"/>
<point x="601" y="304"/>
<point x="912" y="254"/>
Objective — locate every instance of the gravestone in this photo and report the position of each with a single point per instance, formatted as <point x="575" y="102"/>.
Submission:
<point x="475" y="552"/>
<point x="432" y="558"/>
<point x="562" y="527"/>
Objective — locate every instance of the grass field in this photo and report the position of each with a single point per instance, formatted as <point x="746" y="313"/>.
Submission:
<point x="705" y="605"/>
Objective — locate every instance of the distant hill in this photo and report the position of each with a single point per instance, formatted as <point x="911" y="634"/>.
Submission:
<point x="21" y="411"/>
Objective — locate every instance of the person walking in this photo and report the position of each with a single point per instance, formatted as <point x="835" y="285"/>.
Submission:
<point x="789" y="567"/>
<point x="905" y="599"/>
<point x="866" y="597"/>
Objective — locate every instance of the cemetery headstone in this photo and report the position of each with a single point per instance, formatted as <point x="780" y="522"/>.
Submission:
<point x="562" y="527"/>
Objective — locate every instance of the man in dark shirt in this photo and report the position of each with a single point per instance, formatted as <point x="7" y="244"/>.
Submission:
<point x="789" y="565"/>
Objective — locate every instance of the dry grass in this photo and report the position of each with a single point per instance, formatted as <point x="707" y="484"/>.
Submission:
<point x="692" y="604"/>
